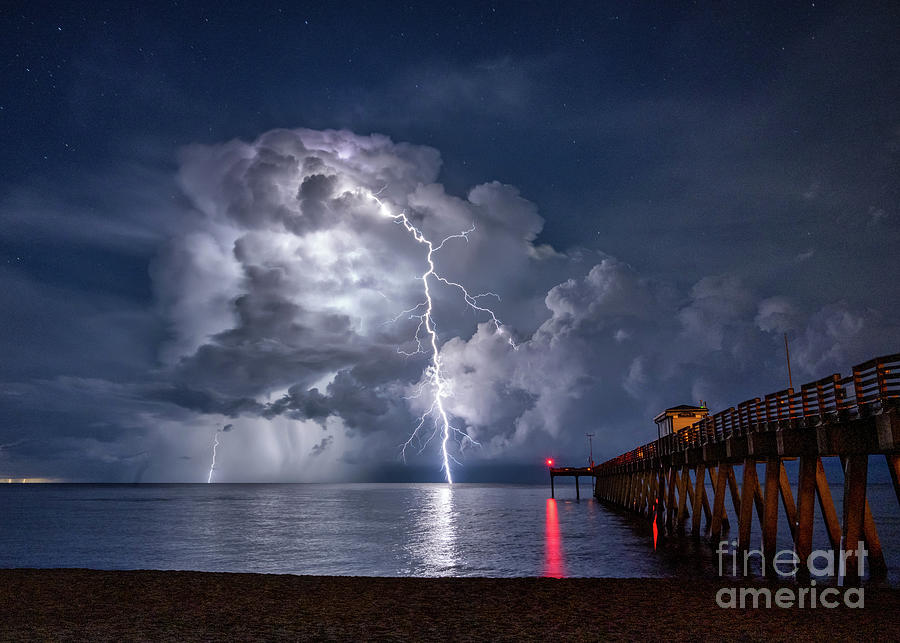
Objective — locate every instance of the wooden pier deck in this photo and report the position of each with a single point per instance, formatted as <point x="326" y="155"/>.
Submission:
<point x="850" y="418"/>
<point x="575" y="472"/>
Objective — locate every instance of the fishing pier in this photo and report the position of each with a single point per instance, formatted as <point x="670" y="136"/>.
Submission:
<point x="849" y="418"/>
<point x="571" y="472"/>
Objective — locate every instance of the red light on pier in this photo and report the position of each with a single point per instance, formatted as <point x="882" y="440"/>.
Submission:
<point x="549" y="462"/>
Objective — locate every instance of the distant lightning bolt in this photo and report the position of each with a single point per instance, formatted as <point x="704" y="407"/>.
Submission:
<point x="434" y="373"/>
<point x="212" y="466"/>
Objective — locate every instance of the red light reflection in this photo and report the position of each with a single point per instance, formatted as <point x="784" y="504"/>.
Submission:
<point x="553" y="554"/>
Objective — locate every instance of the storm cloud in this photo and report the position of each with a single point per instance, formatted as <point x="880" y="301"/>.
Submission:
<point x="283" y="286"/>
<point x="315" y="277"/>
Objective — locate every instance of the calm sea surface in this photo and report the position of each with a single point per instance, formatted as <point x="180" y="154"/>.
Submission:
<point x="371" y="530"/>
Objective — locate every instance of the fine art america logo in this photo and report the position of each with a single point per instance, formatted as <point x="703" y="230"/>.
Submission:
<point x="786" y="564"/>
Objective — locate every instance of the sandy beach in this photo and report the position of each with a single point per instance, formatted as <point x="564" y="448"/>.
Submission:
<point x="193" y="606"/>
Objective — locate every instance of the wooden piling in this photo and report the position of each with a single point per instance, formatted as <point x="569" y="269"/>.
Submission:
<point x="826" y="505"/>
<point x="770" y="507"/>
<point x="873" y="543"/>
<point x="683" y="486"/>
<point x="855" y="473"/>
<point x="670" y="500"/>
<point x="700" y="477"/>
<point x="806" y="499"/>
<point x="659" y="514"/>
<point x="893" y="462"/>
<point x="749" y="488"/>
<point x="704" y="497"/>
<point x="735" y="492"/>
<point x="787" y="500"/>
<point x="652" y="493"/>
<point x="715" y="530"/>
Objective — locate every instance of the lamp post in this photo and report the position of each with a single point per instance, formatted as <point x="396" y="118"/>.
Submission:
<point x="590" y="437"/>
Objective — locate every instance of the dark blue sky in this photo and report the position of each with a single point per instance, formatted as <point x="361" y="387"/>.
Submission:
<point x="760" y="141"/>
<point x="692" y="120"/>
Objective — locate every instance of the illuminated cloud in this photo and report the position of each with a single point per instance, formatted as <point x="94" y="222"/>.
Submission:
<point x="285" y="288"/>
<point x="281" y="289"/>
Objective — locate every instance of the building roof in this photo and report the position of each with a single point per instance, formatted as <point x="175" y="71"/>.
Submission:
<point x="676" y="409"/>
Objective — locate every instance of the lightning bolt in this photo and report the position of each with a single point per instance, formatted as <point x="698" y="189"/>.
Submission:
<point x="428" y="345"/>
<point x="212" y="466"/>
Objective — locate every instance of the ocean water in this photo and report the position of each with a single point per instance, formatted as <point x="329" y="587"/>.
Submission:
<point x="370" y="530"/>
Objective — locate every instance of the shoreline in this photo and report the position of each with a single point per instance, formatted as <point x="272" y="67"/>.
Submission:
<point x="52" y="604"/>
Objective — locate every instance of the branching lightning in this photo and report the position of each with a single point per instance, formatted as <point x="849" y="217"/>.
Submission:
<point x="426" y="340"/>
<point x="212" y="467"/>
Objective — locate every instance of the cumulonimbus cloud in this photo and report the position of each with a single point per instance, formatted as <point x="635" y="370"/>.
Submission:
<point x="284" y="286"/>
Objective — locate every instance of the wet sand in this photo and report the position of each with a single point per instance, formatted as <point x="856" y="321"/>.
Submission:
<point x="195" y="606"/>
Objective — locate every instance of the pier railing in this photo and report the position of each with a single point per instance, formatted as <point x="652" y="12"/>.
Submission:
<point x="873" y="386"/>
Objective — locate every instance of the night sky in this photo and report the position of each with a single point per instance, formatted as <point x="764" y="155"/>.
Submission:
<point x="658" y="195"/>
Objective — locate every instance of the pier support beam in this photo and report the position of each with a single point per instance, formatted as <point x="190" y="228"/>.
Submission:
<point x="699" y="496"/>
<point x="806" y="501"/>
<point x="855" y="474"/>
<point x="705" y="497"/>
<point x="661" y="506"/>
<point x="715" y="528"/>
<point x="735" y="492"/>
<point x="787" y="500"/>
<point x="873" y="543"/>
<point x="684" y="484"/>
<point x="893" y="462"/>
<point x="770" y="508"/>
<point x="670" y="500"/>
<point x="826" y="504"/>
<point x="643" y="493"/>
<point x="749" y="489"/>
